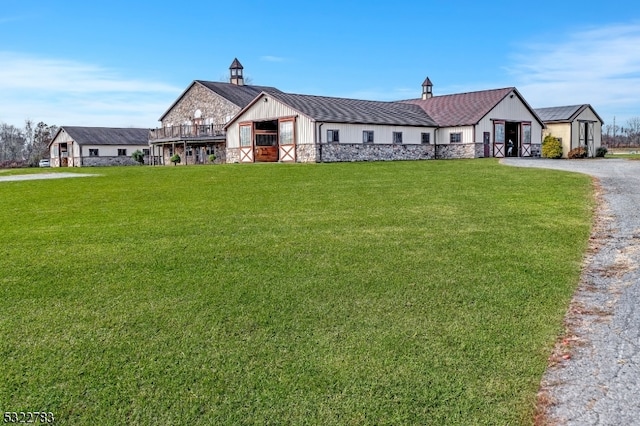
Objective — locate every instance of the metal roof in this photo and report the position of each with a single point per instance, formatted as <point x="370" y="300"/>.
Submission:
<point x="462" y="109"/>
<point x="236" y="94"/>
<point x="561" y="113"/>
<point x="343" y="110"/>
<point x="107" y="135"/>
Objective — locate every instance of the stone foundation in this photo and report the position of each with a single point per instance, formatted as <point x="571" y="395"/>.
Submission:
<point x="336" y="152"/>
<point x="306" y="153"/>
<point x="110" y="161"/>
<point x="460" y="150"/>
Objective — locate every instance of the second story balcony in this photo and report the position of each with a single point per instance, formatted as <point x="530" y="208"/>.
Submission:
<point x="187" y="132"/>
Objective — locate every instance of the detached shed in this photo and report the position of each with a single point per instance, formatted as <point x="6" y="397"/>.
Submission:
<point x="574" y="125"/>
<point x="97" y="146"/>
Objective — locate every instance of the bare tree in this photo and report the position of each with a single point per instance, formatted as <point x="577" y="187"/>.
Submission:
<point x="633" y="131"/>
<point x="11" y="143"/>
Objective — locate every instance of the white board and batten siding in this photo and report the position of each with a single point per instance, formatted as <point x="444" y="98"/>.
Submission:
<point x="112" y="150"/>
<point x="511" y="108"/>
<point x="271" y="110"/>
<point x="382" y="134"/>
<point x="444" y="134"/>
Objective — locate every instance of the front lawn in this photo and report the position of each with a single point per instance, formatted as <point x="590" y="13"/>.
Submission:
<point x="363" y="293"/>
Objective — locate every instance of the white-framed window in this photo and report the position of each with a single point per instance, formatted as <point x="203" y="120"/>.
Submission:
<point x="367" y="136"/>
<point x="122" y="151"/>
<point x="93" y="152"/>
<point x="425" y="138"/>
<point x="189" y="151"/>
<point x="286" y="132"/>
<point x="245" y="135"/>
<point x="397" y="137"/>
<point x="455" y="137"/>
<point x="333" y="135"/>
<point x="146" y="151"/>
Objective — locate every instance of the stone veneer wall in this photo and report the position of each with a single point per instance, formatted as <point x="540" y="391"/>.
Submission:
<point x="536" y="149"/>
<point x="335" y="152"/>
<point x="460" y="150"/>
<point x="306" y="153"/>
<point x="120" y="160"/>
<point x="199" y="97"/>
<point x="233" y="155"/>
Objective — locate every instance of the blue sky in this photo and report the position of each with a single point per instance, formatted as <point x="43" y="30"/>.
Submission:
<point x="123" y="63"/>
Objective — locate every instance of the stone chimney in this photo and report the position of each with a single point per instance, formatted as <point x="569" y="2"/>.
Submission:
<point x="427" y="89"/>
<point x="236" y="73"/>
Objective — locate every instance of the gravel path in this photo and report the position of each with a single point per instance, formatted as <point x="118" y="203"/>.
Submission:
<point x="35" y="176"/>
<point x="594" y="374"/>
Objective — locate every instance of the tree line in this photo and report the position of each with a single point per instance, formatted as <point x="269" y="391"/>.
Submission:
<point x="20" y="147"/>
<point x="615" y="136"/>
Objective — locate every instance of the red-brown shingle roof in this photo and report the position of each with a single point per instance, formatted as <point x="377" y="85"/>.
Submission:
<point x="461" y="109"/>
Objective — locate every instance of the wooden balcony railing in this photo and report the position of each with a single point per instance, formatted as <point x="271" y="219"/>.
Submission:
<point x="187" y="131"/>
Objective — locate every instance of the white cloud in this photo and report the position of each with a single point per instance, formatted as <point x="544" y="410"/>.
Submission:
<point x="269" y="58"/>
<point x="67" y="92"/>
<point x="598" y="66"/>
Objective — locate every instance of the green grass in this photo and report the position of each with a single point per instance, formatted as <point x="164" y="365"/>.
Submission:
<point x="629" y="156"/>
<point x="364" y="293"/>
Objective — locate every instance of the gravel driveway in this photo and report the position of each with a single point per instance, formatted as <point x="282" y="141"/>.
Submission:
<point x="594" y="374"/>
<point x="38" y="176"/>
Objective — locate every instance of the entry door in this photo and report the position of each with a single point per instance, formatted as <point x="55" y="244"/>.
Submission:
<point x="246" y="144"/>
<point x="286" y="140"/>
<point x="591" y="152"/>
<point x="498" y="139"/>
<point x="525" y="146"/>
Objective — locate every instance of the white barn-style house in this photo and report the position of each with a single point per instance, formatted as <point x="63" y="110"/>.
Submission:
<point x="74" y="146"/>
<point x="242" y="123"/>
<point x="291" y="127"/>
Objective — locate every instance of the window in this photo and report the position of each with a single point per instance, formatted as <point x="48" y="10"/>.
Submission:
<point x="189" y="151"/>
<point x="397" y="137"/>
<point x="245" y="135"/>
<point x="93" y="152"/>
<point x="145" y="151"/>
<point x="455" y="137"/>
<point x="367" y="136"/>
<point x="426" y="138"/>
<point x="122" y="151"/>
<point x="333" y="136"/>
<point x="286" y="132"/>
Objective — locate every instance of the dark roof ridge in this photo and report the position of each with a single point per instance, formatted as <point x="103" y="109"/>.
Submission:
<point x="459" y="94"/>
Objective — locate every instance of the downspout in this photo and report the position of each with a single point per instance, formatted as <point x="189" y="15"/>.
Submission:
<point x="435" y="143"/>
<point x="319" y="141"/>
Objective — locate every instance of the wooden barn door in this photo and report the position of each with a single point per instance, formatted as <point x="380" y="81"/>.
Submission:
<point x="498" y="138"/>
<point x="591" y="149"/>
<point x="287" y="140"/>
<point x="525" y="146"/>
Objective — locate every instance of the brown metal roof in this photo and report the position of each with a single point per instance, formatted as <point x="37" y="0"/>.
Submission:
<point x="461" y="109"/>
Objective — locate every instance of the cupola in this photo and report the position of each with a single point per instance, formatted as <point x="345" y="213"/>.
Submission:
<point x="236" y="73"/>
<point x="427" y="89"/>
